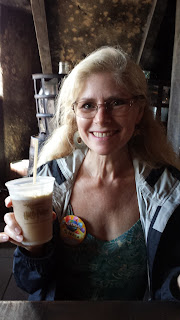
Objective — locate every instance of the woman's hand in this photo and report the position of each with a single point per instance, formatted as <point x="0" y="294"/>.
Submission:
<point x="13" y="232"/>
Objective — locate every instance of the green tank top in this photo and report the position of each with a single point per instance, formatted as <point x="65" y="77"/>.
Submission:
<point x="104" y="270"/>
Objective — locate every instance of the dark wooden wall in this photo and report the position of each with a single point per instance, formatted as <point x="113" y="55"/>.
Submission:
<point x="19" y="59"/>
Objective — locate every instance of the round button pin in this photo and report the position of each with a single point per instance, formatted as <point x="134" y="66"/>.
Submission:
<point x="72" y="230"/>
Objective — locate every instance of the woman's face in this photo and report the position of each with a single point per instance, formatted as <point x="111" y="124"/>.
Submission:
<point x="106" y="133"/>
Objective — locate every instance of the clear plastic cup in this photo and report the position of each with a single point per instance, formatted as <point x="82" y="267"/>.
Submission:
<point x="32" y="205"/>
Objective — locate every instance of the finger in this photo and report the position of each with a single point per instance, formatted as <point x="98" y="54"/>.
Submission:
<point x="12" y="234"/>
<point x="3" y="237"/>
<point x="10" y="220"/>
<point x="8" y="202"/>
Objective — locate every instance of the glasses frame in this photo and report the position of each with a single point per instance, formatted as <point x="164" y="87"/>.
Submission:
<point x="129" y="101"/>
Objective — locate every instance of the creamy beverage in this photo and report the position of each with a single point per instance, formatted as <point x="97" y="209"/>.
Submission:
<point x="32" y="204"/>
<point x="35" y="218"/>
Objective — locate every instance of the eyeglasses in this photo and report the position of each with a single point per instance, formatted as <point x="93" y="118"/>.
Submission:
<point x="116" y="107"/>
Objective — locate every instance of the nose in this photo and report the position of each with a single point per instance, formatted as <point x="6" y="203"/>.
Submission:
<point x="102" y="115"/>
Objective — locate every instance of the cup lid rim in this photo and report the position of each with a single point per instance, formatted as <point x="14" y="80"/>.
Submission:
<point x="22" y="182"/>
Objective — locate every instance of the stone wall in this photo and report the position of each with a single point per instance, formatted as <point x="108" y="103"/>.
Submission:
<point x="77" y="27"/>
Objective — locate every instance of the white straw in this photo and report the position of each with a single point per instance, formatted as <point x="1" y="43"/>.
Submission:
<point x="35" y="160"/>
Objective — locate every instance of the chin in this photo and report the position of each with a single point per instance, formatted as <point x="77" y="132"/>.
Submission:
<point x="111" y="150"/>
<point x="103" y="152"/>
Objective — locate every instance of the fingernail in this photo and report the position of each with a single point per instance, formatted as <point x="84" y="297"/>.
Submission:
<point x="17" y="230"/>
<point x="19" y="238"/>
<point x="4" y="238"/>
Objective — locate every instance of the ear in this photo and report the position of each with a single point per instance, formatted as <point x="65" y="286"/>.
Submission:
<point x="140" y="113"/>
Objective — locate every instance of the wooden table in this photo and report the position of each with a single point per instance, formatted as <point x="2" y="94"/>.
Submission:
<point x="83" y="310"/>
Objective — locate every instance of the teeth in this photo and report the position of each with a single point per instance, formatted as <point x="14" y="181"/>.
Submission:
<point x="102" y="134"/>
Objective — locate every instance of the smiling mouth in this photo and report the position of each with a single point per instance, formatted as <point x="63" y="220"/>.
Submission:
<point x="103" y="134"/>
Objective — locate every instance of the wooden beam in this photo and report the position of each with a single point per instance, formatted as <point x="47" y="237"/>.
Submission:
<point x="173" y="129"/>
<point x="149" y="19"/>
<point x="39" y="17"/>
<point x="151" y="32"/>
<point x="18" y="4"/>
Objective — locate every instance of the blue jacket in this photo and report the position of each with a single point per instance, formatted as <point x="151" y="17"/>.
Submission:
<point x="158" y="193"/>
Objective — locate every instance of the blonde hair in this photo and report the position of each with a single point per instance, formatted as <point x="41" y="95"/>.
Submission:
<point x="149" y="142"/>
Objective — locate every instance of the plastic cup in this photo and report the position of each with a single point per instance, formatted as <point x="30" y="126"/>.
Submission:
<point x="32" y="205"/>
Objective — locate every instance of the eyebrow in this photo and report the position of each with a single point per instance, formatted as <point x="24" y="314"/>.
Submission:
<point x="108" y="98"/>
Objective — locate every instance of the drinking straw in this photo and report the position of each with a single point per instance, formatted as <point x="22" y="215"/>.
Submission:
<point x="35" y="160"/>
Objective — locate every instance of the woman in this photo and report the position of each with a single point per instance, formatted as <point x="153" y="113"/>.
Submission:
<point x="116" y="172"/>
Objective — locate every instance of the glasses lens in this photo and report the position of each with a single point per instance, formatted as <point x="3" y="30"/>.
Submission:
<point x="116" y="107"/>
<point x="119" y="106"/>
<point x="85" y="109"/>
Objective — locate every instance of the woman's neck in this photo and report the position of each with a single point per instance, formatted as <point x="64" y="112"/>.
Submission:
<point x="108" y="168"/>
